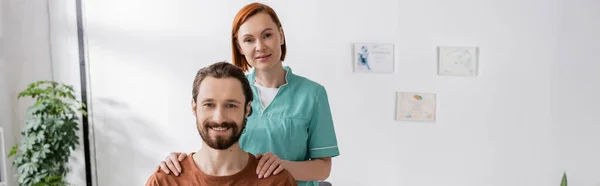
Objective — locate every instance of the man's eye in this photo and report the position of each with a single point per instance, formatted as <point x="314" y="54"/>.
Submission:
<point x="209" y="105"/>
<point x="231" y="106"/>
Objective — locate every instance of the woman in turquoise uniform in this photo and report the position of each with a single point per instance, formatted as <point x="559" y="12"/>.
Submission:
<point x="291" y="126"/>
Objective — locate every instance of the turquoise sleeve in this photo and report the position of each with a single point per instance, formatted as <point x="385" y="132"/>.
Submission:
<point x="322" y="140"/>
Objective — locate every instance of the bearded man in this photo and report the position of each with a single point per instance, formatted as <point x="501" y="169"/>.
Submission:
<point x="221" y="102"/>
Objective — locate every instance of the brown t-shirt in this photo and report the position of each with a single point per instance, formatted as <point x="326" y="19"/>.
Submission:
<point x="192" y="175"/>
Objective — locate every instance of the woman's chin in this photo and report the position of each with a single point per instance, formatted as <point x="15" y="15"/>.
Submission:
<point x="264" y="66"/>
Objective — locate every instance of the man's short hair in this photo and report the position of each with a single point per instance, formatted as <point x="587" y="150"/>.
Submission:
<point x="219" y="70"/>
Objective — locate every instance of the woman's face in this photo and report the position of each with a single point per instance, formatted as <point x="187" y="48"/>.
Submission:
<point x="259" y="40"/>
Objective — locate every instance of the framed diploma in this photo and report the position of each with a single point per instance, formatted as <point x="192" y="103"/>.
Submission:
<point x="373" y="57"/>
<point x="413" y="106"/>
<point x="458" y="61"/>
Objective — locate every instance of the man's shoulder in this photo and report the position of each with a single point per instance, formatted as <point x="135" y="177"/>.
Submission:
<point x="159" y="177"/>
<point x="284" y="178"/>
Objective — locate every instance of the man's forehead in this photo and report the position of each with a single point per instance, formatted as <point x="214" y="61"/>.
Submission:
<point x="220" y="88"/>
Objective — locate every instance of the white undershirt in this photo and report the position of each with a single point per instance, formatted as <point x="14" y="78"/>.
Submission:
<point x="266" y="94"/>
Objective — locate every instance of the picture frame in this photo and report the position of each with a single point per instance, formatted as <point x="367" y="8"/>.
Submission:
<point x="416" y="106"/>
<point x="373" y="58"/>
<point x="458" y="61"/>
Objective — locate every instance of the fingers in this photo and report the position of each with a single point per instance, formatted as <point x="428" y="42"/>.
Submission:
<point x="163" y="167"/>
<point x="278" y="170"/>
<point x="181" y="157"/>
<point x="172" y="163"/>
<point x="269" y="171"/>
<point x="172" y="167"/>
<point x="261" y="162"/>
<point x="174" y="160"/>
<point x="266" y="166"/>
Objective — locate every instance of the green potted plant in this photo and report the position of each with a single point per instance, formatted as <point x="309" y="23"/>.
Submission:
<point x="564" y="180"/>
<point x="49" y="135"/>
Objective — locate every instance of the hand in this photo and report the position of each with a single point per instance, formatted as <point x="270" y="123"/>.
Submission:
<point x="172" y="162"/>
<point x="268" y="164"/>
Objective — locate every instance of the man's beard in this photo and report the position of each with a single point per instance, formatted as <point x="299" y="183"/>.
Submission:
<point x="221" y="142"/>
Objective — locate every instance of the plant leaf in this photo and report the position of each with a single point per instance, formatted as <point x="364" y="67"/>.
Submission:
<point x="13" y="150"/>
<point x="564" y="180"/>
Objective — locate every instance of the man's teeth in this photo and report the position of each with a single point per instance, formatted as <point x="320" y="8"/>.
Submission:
<point x="219" y="128"/>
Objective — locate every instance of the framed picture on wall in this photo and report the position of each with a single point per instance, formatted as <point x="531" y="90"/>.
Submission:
<point x="373" y="57"/>
<point x="3" y="164"/>
<point x="414" y="106"/>
<point x="458" y="61"/>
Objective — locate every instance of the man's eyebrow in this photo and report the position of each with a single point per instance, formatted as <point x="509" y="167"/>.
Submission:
<point x="234" y="101"/>
<point x="207" y="100"/>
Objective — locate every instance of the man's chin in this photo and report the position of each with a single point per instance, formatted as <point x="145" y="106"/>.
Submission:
<point x="216" y="139"/>
<point x="220" y="145"/>
<point x="220" y="141"/>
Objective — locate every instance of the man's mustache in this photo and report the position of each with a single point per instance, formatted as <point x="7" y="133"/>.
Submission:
<point x="223" y="124"/>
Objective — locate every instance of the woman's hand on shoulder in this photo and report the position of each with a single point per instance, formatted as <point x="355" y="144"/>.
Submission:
<point x="268" y="164"/>
<point x="171" y="163"/>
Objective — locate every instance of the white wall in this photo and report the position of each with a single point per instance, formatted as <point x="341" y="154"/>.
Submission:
<point x="27" y="40"/>
<point x="494" y="129"/>
<point x="578" y="129"/>
<point x="5" y="116"/>
<point x="5" y="108"/>
<point x="2" y="19"/>
<point x="7" y="93"/>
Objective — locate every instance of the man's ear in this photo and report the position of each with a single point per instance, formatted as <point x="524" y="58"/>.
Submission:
<point x="282" y="36"/>
<point x="194" y="107"/>
<point x="248" y="109"/>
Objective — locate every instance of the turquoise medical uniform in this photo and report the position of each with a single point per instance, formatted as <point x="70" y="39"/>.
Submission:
<point x="296" y="126"/>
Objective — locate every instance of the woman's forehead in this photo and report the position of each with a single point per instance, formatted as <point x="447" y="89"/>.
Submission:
<point x="257" y="24"/>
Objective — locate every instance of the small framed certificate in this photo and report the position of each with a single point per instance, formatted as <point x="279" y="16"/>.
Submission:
<point x="373" y="57"/>
<point x="458" y="61"/>
<point x="415" y="106"/>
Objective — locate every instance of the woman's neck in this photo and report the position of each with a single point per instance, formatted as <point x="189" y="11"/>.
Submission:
<point x="272" y="78"/>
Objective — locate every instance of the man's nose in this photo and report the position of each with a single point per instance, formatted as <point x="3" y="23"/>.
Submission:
<point x="218" y="116"/>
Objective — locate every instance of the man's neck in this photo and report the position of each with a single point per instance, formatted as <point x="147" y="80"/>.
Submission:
<point x="272" y="78"/>
<point x="221" y="162"/>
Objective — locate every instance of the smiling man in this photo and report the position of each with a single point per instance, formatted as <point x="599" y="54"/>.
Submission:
<point x="221" y="103"/>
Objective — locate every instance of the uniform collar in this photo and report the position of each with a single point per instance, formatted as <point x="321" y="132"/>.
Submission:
<point x="289" y="76"/>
